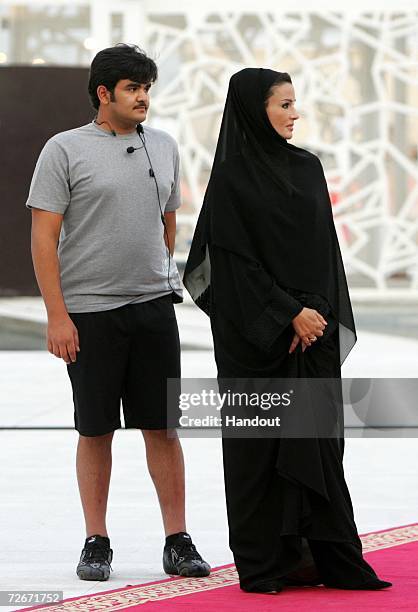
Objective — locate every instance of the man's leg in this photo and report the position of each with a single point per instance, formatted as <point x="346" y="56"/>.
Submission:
<point x="166" y="468"/>
<point x="154" y="358"/>
<point x="97" y="381"/>
<point x="94" y="465"/>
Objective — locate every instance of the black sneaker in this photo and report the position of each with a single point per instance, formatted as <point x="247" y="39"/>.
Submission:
<point x="180" y="558"/>
<point x="95" y="559"/>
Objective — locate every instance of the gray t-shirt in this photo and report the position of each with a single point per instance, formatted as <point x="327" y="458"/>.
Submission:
<point x="111" y="248"/>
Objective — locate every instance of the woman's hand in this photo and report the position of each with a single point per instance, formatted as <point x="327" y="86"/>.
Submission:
<point x="308" y="325"/>
<point x="296" y="341"/>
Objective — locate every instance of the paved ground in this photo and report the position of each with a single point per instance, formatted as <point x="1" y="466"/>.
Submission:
<point x="40" y="514"/>
<point x="42" y="525"/>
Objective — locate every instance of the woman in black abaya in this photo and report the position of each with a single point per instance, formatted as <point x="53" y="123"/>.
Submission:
<point x="265" y="265"/>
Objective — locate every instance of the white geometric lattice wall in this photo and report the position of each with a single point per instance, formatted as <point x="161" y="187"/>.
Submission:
<point x="356" y="82"/>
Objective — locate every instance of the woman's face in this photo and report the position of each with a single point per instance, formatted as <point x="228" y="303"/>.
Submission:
<point x="281" y="109"/>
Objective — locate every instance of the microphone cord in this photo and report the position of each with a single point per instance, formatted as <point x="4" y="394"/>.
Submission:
<point x="140" y="132"/>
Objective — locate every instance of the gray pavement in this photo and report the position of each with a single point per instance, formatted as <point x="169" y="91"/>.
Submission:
<point x="40" y="513"/>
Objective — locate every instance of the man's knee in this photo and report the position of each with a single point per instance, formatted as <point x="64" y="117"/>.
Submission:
<point x="160" y="435"/>
<point x="102" y="440"/>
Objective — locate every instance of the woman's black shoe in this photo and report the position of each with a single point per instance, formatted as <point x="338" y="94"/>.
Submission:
<point x="371" y="585"/>
<point x="270" y="587"/>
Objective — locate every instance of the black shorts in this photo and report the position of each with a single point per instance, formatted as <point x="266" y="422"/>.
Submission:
<point x="126" y="354"/>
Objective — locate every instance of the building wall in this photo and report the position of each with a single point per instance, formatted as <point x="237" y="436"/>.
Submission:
<point x="36" y="103"/>
<point x="356" y="82"/>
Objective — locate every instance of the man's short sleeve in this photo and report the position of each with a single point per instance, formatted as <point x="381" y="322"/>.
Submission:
<point x="174" y="201"/>
<point x="50" y="188"/>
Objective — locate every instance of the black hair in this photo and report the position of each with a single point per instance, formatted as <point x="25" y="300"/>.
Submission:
<point x="282" y="77"/>
<point x="119" y="62"/>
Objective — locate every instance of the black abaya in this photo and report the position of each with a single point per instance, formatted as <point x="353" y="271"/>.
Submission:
<point x="265" y="246"/>
<point x="287" y="500"/>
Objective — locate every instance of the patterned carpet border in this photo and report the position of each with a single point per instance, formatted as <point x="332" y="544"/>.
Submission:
<point x="220" y="577"/>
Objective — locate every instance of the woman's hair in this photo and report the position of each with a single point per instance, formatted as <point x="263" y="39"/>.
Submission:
<point x="282" y="77"/>
<point x="119" y="62"/>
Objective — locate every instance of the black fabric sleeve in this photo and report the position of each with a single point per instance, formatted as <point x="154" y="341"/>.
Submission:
<point x="245" y="294"/>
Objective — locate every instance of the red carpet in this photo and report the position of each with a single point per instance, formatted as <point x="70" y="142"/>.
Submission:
<point x="393" y="553"/>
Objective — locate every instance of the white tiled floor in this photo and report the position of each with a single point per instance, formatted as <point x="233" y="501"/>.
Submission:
<point x="40" y="514"/>
<point x="42" y="520"/>
<point x="42" y="525"/>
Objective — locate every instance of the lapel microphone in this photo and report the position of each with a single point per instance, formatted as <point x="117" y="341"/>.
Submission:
<point x="139" y="130"/>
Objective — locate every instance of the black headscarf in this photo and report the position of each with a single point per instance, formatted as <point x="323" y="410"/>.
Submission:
<point x="267" y="201"/>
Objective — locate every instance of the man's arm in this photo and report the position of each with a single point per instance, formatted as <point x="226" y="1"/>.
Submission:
<point x="62" y="336"/>
<point x="170" y="224"/>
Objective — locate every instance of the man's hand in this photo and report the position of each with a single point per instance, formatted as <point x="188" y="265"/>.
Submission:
<point x="308" y="325"/>
<point x="170" y="230"/>
<point x="62" y="338"/>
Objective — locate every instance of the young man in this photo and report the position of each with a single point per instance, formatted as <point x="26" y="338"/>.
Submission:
<point x="106" y="193"/>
